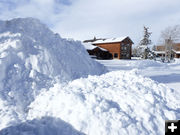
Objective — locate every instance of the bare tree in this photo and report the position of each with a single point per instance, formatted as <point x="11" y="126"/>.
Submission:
<point x="171" y="33"/>
<point x="168" y="49"/>
<point x="169" y="36"/>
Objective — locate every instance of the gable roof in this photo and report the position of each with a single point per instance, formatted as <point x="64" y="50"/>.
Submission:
<point x="177" y="52"/>
<point x="111" y="40"/>
<point x="89" y="46"/>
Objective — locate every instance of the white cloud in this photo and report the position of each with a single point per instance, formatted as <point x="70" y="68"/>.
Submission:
<point x="84" y="19"/>
<point x="45" y="10"/>
<point x="104" y="18"/>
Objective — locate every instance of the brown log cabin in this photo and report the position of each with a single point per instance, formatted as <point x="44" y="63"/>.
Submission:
<point x="120" y="48"/>
<point x="160" y="50"/>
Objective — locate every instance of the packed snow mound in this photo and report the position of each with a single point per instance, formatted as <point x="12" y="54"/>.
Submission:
<point x="118" y="102"/>
<point x="32" y="57"/>
<point x="45" y="52"/>
<point x="43" y="126"/>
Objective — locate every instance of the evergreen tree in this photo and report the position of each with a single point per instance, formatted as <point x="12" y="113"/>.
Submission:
<point x="143" y="45"/>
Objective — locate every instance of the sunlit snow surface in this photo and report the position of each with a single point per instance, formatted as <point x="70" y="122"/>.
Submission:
<point x="118" y="102"/>
<point x="166" y="73"/>
<point x="49" y="85"/>
<point x="32" y="58"/>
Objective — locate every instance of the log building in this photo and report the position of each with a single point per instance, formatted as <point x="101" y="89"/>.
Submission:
<point x="120" y="48"/>
<point x="160" y="50"/>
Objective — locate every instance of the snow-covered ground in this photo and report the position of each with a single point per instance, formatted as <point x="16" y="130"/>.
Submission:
<point x="50" y="85"/>
<point x="116" y="103"/>
<point x="166" y="73"/>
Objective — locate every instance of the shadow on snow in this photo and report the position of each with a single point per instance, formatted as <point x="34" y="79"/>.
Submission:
<point x="170" y="78"/>
<point x="43" y="126"/>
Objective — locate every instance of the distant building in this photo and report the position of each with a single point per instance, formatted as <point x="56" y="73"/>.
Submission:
<point x="97" y="52"/>
<point x="160" y="50"/>
<point x="119" y="48"/>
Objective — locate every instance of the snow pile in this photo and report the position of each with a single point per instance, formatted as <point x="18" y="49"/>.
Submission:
<point x="32" y="57"/>
<point x="118" y="102"/>
<point x="43" y="51"/>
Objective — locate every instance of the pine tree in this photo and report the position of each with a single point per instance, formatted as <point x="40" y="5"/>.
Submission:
<point x="143" y="45"/>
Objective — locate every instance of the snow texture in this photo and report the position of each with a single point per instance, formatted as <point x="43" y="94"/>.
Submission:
<point x="118" y="102"/>
<point x="32" y="57"/>
<point x="43" y="126"/>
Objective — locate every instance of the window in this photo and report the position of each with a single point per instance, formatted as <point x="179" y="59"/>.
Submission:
<point x="115" y="55"/>
<point x="124" y="47"/>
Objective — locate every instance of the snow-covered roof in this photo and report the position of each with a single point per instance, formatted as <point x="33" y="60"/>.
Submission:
<point x="102" y="49"/>
<point x="159" y="52"/>
<point x="89" y="46"/>
<point x="110" y="40"/>
<point x="177" y="52"/>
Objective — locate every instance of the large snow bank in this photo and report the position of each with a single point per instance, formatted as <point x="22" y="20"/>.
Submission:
<point x="40" y="50"/>
<point x="115" y="103"/>
<point x="32" y="57"/>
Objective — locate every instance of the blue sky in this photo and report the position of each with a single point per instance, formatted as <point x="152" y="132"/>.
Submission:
<point x="84" y="19"/>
